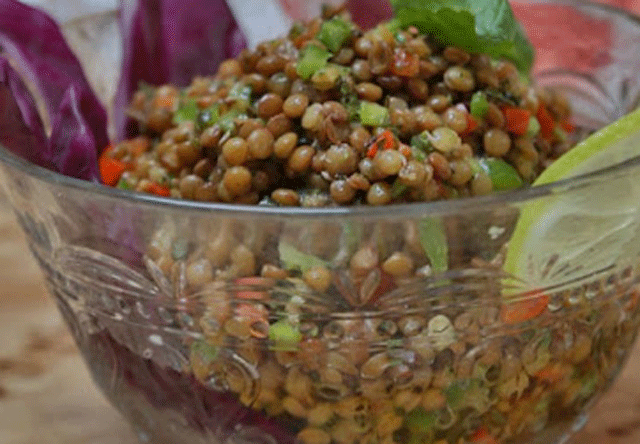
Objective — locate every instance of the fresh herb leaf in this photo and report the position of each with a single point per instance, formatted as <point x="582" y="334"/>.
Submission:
<point x="487" y="26"/>
<point x="434" y="242"/>
<point x="293" y="259"/>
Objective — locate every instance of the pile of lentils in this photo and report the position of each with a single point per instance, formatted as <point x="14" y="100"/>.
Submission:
<point x="331" y="115"/>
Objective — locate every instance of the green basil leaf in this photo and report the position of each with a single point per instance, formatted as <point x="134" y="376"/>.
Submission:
<point x="486" y="26"/>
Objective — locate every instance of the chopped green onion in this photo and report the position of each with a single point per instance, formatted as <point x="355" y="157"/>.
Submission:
<point x="241" y="95"/>
<point x="503" y="176"/>
<point x="227" y="121"/>
<point x="372" y="114"/>
<point x="466" y="393"/>
<point x="418" y="154"/>
<point x="123" y="185"/>
<point x="433" y="239"/>
<point x="207" y="117"/>
<point x="334" y="33"/>
<point x="205" y="352"/>
<point x="534" y="127"/>
<point x="188" y="111"/>
<point x="479" y="105"/>
<point x="422" y="144"/>
<point x="180" y="249"/>
<point x="475" y="166"/>
<point x="560" y="134"/>
<point x="313" y="58"/>
<point x="285" y="336"/>
<point x="293" y="259"/>
<point x="296" y="29"/>
<point x="419" y="421"/>
<point x="397" y="189"/>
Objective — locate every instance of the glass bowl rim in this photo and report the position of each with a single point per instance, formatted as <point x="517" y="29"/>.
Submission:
<point x="440" y="208"/>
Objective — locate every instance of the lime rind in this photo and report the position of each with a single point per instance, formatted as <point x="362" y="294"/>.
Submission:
<point x="576" y="161"/>
<point x="544" y="230"/>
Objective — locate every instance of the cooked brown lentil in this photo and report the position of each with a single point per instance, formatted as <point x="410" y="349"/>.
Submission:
<point x="314" y="134"/>
<point x="295" y="105"/>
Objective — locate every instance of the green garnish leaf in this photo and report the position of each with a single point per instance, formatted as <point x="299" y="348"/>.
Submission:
<point x="293" y="259"/>
<point x="481" y="26"/>
<point x="503" y="176"/>
<point x="313" y="58"/>
<point x="372" y="114"/>
<point x="479" y="105"/>
<point x="187" y="111"/>
<point x="433" y="239"/>
<point x="334" y="33"/>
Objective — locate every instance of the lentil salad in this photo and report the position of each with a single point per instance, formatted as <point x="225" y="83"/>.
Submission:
<point x="330" y="115"/>
<point x="370" y="118"/>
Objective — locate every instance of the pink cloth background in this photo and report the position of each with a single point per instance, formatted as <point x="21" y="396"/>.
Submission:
<point x="632" y="5"/>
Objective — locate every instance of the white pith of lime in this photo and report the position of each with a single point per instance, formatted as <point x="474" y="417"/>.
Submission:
<point x="567" y="237"/>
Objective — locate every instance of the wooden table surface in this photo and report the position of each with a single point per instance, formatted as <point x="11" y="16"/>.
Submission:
<point x="47" y="397"/>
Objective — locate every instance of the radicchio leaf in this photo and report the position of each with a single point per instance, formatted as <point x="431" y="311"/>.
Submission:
<point x="165" y="41"/>
<point x="21" y="129"/>
<point x="34" y="43"/>
<point x="368" y="13"/>
<point x="72" y="143"/>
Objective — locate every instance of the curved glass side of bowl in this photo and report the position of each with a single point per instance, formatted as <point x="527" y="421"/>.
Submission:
<point x="212" y="324"/>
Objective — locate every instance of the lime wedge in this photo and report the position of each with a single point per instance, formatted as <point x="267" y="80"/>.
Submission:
<point x="577" y="235"/>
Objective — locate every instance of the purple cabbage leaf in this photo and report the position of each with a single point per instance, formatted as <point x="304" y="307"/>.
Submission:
<point x="21" y="129"/>
<point x="34" y="43"/>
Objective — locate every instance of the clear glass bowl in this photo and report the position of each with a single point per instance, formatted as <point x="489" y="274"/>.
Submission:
<point x="186" y="338"/>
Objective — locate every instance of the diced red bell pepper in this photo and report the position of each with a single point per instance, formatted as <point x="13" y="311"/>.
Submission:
<point x="517" y="120"/>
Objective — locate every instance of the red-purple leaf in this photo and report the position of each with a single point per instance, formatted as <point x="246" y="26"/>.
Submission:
<point x="368" y="13"/>
<point x="21" y="129"/>
<point x="34" y="43"/>
<point x="72" y="142"/>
